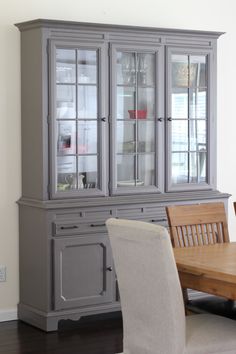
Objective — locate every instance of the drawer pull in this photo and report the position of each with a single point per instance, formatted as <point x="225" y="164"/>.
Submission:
<point x="158" y="220"/>
<point x="110" y="269"/>
<point x="69" y="227"/>
<point x="97" y="225"/>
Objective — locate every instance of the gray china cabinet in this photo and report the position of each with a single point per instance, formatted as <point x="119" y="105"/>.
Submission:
<point x="117" y="121"/>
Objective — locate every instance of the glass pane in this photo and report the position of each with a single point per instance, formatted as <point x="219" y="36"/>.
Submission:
<point x="197" y="103"/>
<point x="179" y="102"/>
<point x="126" y="68"/>
<point x="66" y="173"/>
<point x="198" y="71"/>
<point x="88" y="172"/>
<point x="87" y="137"/>
<point x="180" y="167"/>
<point x="146" y="69"/>
<point x="202" y="166"/>
<point x="179" y="135"/>
<point x="146" y="103"/>
<point x="125" y="171"/>
<point x="66" y="142"/>
<point x="193" y="168"/>
<point x="65" y="65"/>
<point x="146" y="136"/>
<point x="87" y="66"/>
<point x="197" y="131"/>
<point x="125" y="102"/>
<point x="87" y="101"/>
<point x="65" y="101"/>
<point x="146" y="169"/>
<point x="179" y="70"/>
<point x="125" y="137"/>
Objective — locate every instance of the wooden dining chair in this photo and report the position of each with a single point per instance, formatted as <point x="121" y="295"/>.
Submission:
<point x="195" y="225"/>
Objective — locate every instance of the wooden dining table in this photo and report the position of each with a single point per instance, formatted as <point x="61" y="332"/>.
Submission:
<point x="208" y="268"/>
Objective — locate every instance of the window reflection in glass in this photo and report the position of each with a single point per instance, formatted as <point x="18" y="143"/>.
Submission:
<point x="65" y="101"/>
<point x="65" y="65"/>
<point x="197" y="103"/>
<point x="87" y="102"/>
<point x="179" y="103"/>
<point x="87" y="137"/>
<point x="87" y="66"/>
<point x="188" y="128"/>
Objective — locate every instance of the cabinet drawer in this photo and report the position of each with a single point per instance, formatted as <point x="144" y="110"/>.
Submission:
<point x="61" y="228"/>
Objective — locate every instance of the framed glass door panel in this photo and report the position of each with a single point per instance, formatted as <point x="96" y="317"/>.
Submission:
<point x="87" y="66"/>
<point x="126" y="170"/>
<point x="135" y="108"/>
<point x="146" y="103"/>
<point x="87" y="101"/>
<point x="126" y="142"/>
<point x="87" y="137"/>
<point x="66" y="134"/>
<point x="146" y="169"/>
<point x="146" y="137"/>
<point x="88" y="172"/>
<point x="66" y="101"/>
<point x="78" y="131"/>
<point x="198" y="103"/>
<point x="66" y="173"/>
<point x="179" y="102"/>
<point x="125" y="101"/>
<point x="65" y="66"/>
<point x="188" y="83"/>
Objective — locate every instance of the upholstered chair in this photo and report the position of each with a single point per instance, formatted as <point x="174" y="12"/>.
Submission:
<point x="154" y="320"/>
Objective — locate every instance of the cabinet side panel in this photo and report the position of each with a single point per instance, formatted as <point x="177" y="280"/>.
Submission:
<point x="34" y="139"/>
<point x="35" y="260"/>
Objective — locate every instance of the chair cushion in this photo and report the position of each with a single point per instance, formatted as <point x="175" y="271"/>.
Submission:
<point x="206" y="334"/>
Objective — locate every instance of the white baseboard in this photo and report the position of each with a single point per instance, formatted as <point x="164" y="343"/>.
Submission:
<point x="8" y="315"/>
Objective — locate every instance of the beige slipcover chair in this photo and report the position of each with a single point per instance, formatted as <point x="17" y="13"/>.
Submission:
<point x="154" y="321"/>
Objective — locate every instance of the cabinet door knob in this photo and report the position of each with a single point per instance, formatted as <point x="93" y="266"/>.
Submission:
<point x="109" y="269"/>
<point x="169" y="119"/>
<point x="103" y="119"/>
<point x="160" y="119"/>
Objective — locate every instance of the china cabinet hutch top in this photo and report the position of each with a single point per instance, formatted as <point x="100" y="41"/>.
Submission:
<point x="116" y="121"/>
<point x="111" y="111"/>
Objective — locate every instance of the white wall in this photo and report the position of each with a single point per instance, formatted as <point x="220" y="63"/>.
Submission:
<point x="188" y="14"/>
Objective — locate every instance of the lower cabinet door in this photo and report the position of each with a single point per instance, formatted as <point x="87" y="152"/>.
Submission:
<point x="83" y="273"/>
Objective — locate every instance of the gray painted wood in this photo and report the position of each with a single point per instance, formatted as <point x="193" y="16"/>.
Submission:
<point x="62" y="235"/>
<point x="83" y="271"/>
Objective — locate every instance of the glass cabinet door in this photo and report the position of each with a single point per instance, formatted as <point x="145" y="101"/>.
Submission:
<point x="187" y="119"/>
<point x="78" y="127"/>
<point x="134" y="119"/>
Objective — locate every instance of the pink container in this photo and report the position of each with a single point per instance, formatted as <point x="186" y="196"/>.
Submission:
<point x="139" y="114"/>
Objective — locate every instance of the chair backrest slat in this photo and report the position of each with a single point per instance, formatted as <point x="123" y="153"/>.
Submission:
<point x="197" y="224"/>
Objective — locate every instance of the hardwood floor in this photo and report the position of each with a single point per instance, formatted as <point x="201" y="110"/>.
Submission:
<point x="99" y="336"/>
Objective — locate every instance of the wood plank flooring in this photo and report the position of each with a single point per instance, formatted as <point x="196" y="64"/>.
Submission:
<point x="96" y="337"/>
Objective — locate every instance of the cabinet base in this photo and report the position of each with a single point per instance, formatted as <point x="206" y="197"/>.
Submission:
<point x="48" y="321"/>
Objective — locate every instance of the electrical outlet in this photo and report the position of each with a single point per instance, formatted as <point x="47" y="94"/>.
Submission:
<point x="3" y="270"/>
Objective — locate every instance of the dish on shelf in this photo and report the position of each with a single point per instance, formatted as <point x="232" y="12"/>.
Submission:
<point x="130" y="183"/>
<point x="137" y="113"/>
